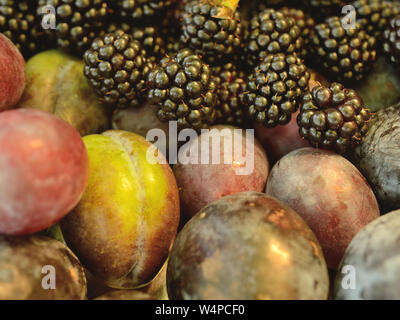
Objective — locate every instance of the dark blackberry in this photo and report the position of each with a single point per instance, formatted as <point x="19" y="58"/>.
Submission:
<point x="183" y="88"/>
<point x="322" y="9"/>
<point x="209" y="36"/>
<point x="116" y="66"/>
<point x="333" y="118"/>
<point x="391" y="45"/>
<point x="374" y="15"/>
<point x="305" y="23"/>
<point x="141" y="9"/>
<point x="268" y="32"/>
<point x="78" y="22"/>
<point x="231" y="86"/>
<point x="19" y="22"/>
<point x="275" y="88"/>
<point x="345" y="54"/>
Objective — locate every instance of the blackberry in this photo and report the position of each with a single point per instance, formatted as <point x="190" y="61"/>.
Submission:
<point x="148" y="36"/>
<point x="78" y="22"/>
<point x="345" y="54"/>
<point x="391" y="45"/>
<point x="209" y="36"/>
<point x="305" y="23"/>
<point x="183" y="88"/>
<point x="275" y="89"/>
<point x="140" y="10"/>
<point x="333" y="118"/>
<point x="19" y="22"/>
<point x="374" y="15"/>
<point x="116" y="66"/>
<point x="231" y="86"/>
<point x="268" y="32"/>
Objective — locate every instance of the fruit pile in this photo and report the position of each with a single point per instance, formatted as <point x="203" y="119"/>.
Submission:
<point x="111" y="189"/>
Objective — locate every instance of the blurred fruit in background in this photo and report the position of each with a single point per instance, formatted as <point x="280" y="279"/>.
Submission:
<point x="23" y="276"/>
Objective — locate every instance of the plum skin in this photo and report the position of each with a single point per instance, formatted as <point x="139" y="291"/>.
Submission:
<point x="201" y="184"/>
<point x="12" y="71"/>
<point x="44" y="169"/>
<point x="329" y="193"/>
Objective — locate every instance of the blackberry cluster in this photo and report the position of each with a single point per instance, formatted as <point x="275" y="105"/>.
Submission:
<point x="273" y="32"/>
<point x="275" y="88"/>
<point x="391" y="45"/>
<point x="183" y="88"/>
<point x="345" y="54"/>
<point x="211" y="37"/>
<point x="333" y="118"/>
<point x="78" y="22"/>
<point x="231" y="86"/>
<point x="19" y="22"/>
<point x="116" y="66"/>
<point x="374" y="15"/>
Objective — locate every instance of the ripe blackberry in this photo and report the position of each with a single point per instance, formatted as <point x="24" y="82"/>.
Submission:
<point x="18" y="22"/>
<point x="374" y="15"/>
<point x="148" y="36"/>
<point x="275" y="89"/>
<point x="141" y="9"/>
<point x="333" y="118"/>
<point x="231" y="86"/>
<point x="183" y="88"/>
<point x="268" y="32"/>
<point x="345" y="54"/>
<point x="209" y="36"/>
<point x="305" y="23"/>
<point x="116" y="66"/>
<point x="78" y="22"/>
<point x="391" y="45"/>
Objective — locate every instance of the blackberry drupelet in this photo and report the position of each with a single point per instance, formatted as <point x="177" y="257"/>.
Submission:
<point x="19" y="22"/>
<point x="116" y="66"/>
<point x="333" y="118"/>
<point x="374" y="15"/>
<point x="231" y="86"/>
<point x="183" y="88"/>
<point x="78" y="22"/>
<point x="345" y="54"/>
<point x="209" y="36"/>
<point x="141" y="10"/>
<point x="391" y="45"/>
<point x="275" y="89"/>
<point x="268" y="32"/>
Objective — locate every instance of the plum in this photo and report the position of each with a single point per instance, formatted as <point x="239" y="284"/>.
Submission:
<point x="200" y="183"/>
<point x="329" y="193"/>
<point x="43" y="170"/>
<point x="124" y="225"/>
<point x="56" y="84"/>
<point x="12" y="74"/>
<point x="247" y="246"/>
<point x="280" y="140"/>
<point x="26" y="264"/>
<point x="370" y="268"/>
<point x="378" y="157"/>
<point x="381" y="88"/>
